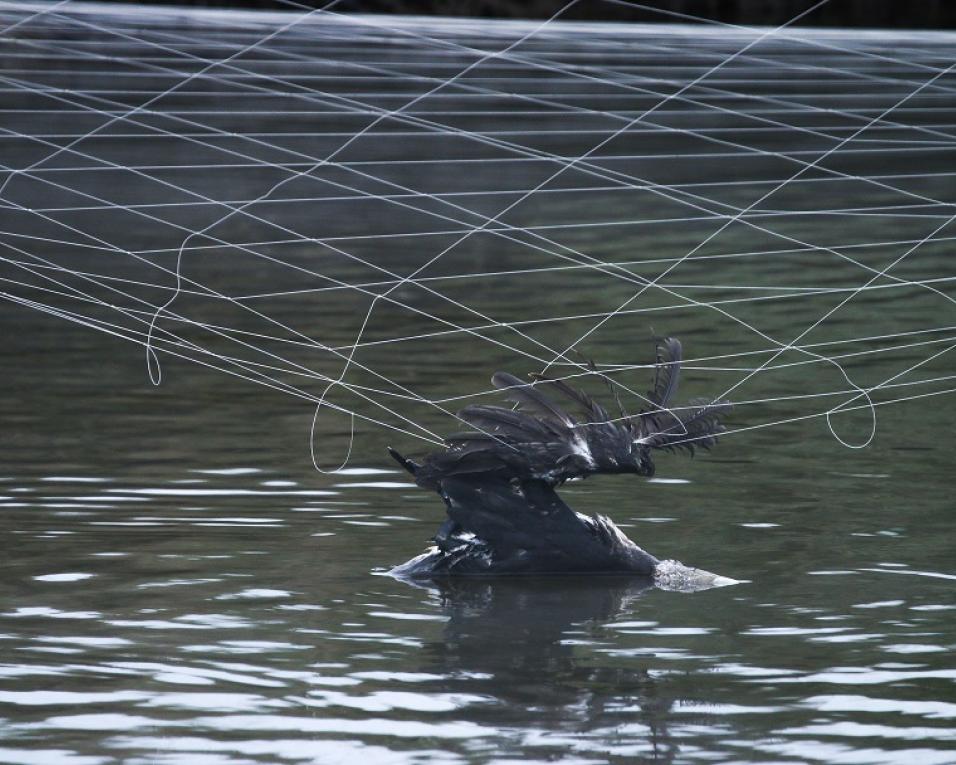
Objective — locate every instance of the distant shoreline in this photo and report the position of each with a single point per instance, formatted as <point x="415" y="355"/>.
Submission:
<point x="878" y="14"/>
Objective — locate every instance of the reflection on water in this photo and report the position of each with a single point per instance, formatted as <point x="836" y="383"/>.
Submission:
<point x="179" y="585"/>
<point x="537" y="627"/>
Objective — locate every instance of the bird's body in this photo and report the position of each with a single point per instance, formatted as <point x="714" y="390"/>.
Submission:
<point x="498" y="480"/>
<point x="498" y="527"/>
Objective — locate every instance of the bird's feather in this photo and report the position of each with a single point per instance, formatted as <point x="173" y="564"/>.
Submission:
<point x="667" y="371"/>
<point x="588" y="406"/>
<point x="530" y="399"/>
<point x="541" y="441"/>
<point x="696" y="427"/>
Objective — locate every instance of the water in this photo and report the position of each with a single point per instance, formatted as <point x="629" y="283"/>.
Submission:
<point x="181" y="586"/>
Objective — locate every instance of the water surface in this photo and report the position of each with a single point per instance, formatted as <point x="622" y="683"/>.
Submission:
<point x="180" y="585"/>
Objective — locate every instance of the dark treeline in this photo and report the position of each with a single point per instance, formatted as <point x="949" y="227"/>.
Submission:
<point x="917" y="14"/>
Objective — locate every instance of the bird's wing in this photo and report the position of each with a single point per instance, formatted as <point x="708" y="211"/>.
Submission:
<point x="510" y="425"/>
<point x="540" y="439"/>
<point x="522" y="454"/>
<point x="530" y="439"/>
<point x="592" y="410"/>
<point x="531" y="400"/>
<point x="604" y="436"/>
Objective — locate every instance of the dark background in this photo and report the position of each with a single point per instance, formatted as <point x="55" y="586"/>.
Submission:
<point x="920" y="14"/>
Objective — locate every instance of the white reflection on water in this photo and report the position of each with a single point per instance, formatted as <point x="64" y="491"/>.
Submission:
<point x="852" y="703"/>
<point x="62" y="698"/>
<point x="255" y="593"/>
<point x="36" y="756"/>
<point x="848" y="754"/>
<point x="74" y="576"/>
<point x="376" y="485"/>
<point x="364" y="471"/>
<point x="289" y="748"/>
<point x="52" y="613"/>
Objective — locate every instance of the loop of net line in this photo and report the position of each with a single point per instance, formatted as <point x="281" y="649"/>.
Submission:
<point x="118" y="332"/>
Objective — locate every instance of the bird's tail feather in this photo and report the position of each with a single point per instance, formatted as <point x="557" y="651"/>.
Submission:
<point x="694" y="427"/>
<point x="667" y="371"/>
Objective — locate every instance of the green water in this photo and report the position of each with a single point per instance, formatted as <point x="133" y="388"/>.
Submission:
<point x="180" y="585"/>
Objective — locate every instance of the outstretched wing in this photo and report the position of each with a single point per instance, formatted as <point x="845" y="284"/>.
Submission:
<point x="540" y="439"/>
<point x="537" y="420"/>
<point x="604" y="436"/>
<point x="592" y="410"/>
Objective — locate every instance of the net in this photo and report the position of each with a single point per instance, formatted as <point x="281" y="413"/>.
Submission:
<point x="373" y="213"/>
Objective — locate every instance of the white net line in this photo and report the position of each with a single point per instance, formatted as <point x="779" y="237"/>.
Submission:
<point x="527" y="65"/>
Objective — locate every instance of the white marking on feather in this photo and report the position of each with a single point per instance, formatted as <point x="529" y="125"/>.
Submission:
<point x="580" y="447"/>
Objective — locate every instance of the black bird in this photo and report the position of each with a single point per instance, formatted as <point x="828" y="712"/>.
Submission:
<point x="503" y="527"/>
<point x="498" y="481"/>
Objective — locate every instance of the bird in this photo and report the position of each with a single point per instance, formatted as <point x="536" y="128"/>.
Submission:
<point x="499" y="481"/>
